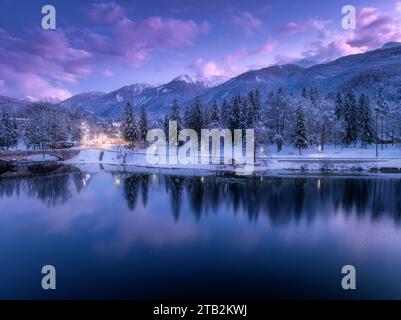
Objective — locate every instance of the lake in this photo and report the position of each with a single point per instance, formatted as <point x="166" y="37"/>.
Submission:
<point x="150" y="236"/>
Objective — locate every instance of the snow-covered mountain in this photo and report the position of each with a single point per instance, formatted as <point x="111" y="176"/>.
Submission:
<point x="12" y="104"/>
<point x="367" y="72"/>
<point x="156" y="99"/>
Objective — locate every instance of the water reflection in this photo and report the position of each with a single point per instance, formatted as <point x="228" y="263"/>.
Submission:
<point x="125" y="235"/>
<point x="282" y="200"/>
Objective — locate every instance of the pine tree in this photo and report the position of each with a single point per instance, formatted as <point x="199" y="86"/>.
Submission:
<point x="74" y="127"/>
<point x="196" y="115"/>
<point x="382" y="109"/>
<point x="300" y="140"/>
<point x="366" y="123"/>
<point x="339" y="106"/>
<point x="188" y="117"/>
<point x="257" y="108"/>
<point x="143" y="124"/>
<point x="35" y="135"/>
<point x="350" y="118"/>
<point x="166" y="126"/>
<point x="246" y="120"/>
<point x="175" y="114"/>
<point x="235" y="114"/>
<point x="225" y="118"/>
<point x="214" y="116"/>
<point x="8" y="131"/>
<point x="129" y="126"/>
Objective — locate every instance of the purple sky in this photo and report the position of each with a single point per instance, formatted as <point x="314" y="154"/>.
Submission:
<point x="101" y="46"/>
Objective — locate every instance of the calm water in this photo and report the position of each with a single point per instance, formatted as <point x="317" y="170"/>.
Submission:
<point x="163" y="236"/>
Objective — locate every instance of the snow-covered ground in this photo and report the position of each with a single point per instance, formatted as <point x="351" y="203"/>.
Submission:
<point x="268" y="159"/>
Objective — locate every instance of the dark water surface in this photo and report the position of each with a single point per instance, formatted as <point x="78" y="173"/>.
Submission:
<point x="162" y="236"/>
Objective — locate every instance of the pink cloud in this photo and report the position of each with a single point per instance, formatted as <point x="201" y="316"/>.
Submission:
<point x="36" y="88"/>
<point x="206" y="68"/>
<point x="107" y="73"/>
<point x="311" y="24"/>
<point x="134" y="41"/>
<point x="247" y="21"/>
<point x="374" y="28"/>
<point x="106" y="12"/>
<point x="266" y="48"/>
<point x="292" y="27"/>
<point x="235" y="56"/>
<point x="57" y="60"/>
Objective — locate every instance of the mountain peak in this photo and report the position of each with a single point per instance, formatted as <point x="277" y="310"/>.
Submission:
<point x="392" y="44"/>
<point x="206" y="81"/>
<point x="185" y="78"/>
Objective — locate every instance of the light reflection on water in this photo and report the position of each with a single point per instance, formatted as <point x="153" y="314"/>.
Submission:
<point x="113" y="235"/>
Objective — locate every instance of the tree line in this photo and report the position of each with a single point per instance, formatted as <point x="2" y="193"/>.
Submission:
<point x="42" y="125"/>
<point x="303" y="121"/>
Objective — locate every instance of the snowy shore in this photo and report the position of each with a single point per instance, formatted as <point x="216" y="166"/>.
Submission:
<point x="331" y="160"/>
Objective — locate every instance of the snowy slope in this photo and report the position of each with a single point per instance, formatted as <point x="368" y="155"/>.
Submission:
<point x="367" y="72"/>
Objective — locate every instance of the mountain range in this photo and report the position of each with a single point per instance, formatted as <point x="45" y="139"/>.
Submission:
<point x="367" y="72"/>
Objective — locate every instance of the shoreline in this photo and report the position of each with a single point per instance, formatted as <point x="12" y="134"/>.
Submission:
<point x="329" y="164"/>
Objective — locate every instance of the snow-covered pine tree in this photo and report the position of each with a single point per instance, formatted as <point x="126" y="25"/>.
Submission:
<point x="235" y="114"/>
<point x="246" y="120"/>
<point x="350" y="118"/>
<point x="257" y="107"/>
<point x="175" y="114"/>
<point x="214" y="116"/>
<point x="225" y="115"/>
<point x="206" y="116"/>
<point x="300" y="136"/>
<point x="382" y="109"/>
<point x="129" y="126"/>
<point x="339" y="108"/>
<point x="196" y="116"/>
<point x="74" y="126"/>
<point x="8" y="131"/>
<point x="188" y="117"/>
<point x="35" y="134"/>
<point x="166" y="126"/>
<point x="366" y="121"/>
<point x="143" y="124"/>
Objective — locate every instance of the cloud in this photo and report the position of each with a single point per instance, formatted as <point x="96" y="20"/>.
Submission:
<point x="311" y="24"/>
<point x="38" y="64"/>
<point x="133" y="41"/>
<point x="2" y="82"/>
<point x="266" y="48"/>
<point x="247" y="21"/>
<point x="374" y="28"/>
<point x="206" y="68"/>
<point x="107" y="73"/>
<point x="398" y="6"/>
<point x="320" y="52"/>
<point x="107" y="12"/>
<point x="235" y="56"/>
<point x="58" y="59"/>
<point x="292" y="27"/>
